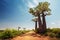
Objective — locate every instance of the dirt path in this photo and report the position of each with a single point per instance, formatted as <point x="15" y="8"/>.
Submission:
<point x="31" y="36"/>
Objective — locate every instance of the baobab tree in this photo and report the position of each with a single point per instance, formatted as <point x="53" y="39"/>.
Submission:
<point x="36" y="13"/>
<point x="35" y="20"/>
<point x="43" y="7"/>
<point x="40" y="11"/>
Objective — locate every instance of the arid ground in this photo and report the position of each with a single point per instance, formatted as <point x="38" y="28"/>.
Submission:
<point x="33" y="36"/>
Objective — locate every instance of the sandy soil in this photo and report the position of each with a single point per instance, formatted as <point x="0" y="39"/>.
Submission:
<point x="32" y="36"/>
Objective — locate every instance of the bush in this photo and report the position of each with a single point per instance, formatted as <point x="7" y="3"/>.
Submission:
<point x="37" y="30"/>
<point x="52" y="34"/>
<point x="48" y="30"/>
<point x="55" y="32"/>
<point x="14" y="32"/>
<point x="6" y="34"/>
<point x="11" y="33"/>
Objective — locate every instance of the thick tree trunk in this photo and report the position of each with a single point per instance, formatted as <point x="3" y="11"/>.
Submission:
<point x="35" y="25"/>
<point x="39" y="23"/>
<point x="44" y="22"/>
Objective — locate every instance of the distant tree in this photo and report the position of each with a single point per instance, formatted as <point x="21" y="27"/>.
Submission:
<point x="19" y="28"/>
<point x="35" y="20"/>
<point x="24" y="28"/>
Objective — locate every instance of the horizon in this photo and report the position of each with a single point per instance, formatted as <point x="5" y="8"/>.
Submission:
<point x="14" y="14"/>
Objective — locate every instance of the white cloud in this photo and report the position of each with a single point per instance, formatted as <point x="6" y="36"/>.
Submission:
<point x="36" y="2"/>
<point x="53" y="23"/>
<point x="33" y="3"/>
<point x="30" y="5"/>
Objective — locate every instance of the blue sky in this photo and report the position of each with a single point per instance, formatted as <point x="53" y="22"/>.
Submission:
<point x="14" y="13"/>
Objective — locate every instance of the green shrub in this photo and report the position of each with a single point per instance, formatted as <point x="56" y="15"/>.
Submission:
<point x="58" y="35"/>
<point x="48" y="30"/>
<point x="14" y="32"/>
<point x="6" y="34"/>
<point x="11" y="33"/>
<point x="1" y="35"/>
<point x="52" y="34"/>
<point x="55" y="32"/>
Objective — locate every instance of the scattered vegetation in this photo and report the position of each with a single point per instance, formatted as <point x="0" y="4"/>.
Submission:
<point x="54" y="32"/>
<point x="11" y="33"/>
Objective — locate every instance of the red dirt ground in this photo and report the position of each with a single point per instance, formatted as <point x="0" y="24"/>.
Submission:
<point x="32" y="36"/>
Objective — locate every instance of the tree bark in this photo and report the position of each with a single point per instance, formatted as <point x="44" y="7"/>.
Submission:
<point x="35" y="25"/>
<point x="39" y="23"/>
<point x="44" y="22"/>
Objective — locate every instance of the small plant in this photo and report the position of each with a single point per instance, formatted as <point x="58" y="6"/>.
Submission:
<point x="6" y="34"/>
<point x="52" y="34"/>
<point x="58" y="35"/>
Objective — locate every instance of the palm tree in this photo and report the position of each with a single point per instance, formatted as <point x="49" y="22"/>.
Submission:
<point x="35" y="12"/>
<point x="35" y="20"/>
<point x="43" y="7"/>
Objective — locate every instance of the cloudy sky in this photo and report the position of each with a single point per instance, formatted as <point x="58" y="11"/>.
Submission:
<point x="14" y="13"/>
